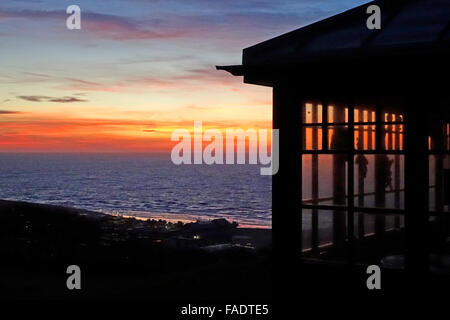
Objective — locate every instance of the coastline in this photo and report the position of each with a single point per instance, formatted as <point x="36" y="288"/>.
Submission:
<point x="259" y="236"/>
<point x="146" y="215"/>
<point x="182" y="217"/>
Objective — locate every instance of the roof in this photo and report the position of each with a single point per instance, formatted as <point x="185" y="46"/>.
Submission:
<point x="407" y="27"/>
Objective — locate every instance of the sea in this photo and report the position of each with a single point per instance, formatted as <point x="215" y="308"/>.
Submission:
<point x="139" y="185"/>
<point x="151" y="186"/>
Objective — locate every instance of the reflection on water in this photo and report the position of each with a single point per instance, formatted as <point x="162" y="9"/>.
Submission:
<point x="139" y="185"/>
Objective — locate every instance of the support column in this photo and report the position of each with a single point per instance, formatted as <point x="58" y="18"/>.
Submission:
<point x="446" y="188"/>
<point x="362" y="171"/>
<point x="351" y="181"/>
<point x="340" y="141"/>
<point x="416" y="188"/>
<point x="287" y="188"/>
<point x="315" y="180"/>
<point x="397" y="186"/>
<point x="390" y="146"/>
<point x="390" y="131"/>
<point x="381" y="161"/>
<point x="370" y="130"/>
<point x="438" y="142"/>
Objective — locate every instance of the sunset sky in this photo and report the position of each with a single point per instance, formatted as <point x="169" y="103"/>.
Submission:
<point x="137" y="70"/>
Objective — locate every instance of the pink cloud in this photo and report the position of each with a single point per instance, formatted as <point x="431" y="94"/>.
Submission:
<point x="104" y="25"/>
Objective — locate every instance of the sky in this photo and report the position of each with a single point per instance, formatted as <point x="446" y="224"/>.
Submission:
<point x="136" y="71"/>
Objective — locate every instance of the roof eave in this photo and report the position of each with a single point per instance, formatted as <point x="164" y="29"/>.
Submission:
<point x="235" y="70"/>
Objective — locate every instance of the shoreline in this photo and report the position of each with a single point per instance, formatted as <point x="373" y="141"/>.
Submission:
<point x="184" y="219"/>
<point x="145" y="216"/>
<point x="259" y="237"/>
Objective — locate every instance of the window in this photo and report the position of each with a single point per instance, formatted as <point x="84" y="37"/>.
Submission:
<point x="352" y="175"/>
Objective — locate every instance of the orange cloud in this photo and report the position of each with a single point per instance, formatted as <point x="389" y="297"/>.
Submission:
<point x="99" y="135"/>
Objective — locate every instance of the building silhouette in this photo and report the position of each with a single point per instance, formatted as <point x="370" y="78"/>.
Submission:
<point x="369" y="109"/>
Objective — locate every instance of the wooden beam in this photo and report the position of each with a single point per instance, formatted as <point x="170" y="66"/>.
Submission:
<point x="397" y="186"/>
<point x="351" y="181"/>
<point x="339" y="176"/>
<point x="362" y="168"/>
<point x="287" y="186"/>
<point x="380" y="173"/>
<point x="416" y="187"/>
<point x="315" y="180"/>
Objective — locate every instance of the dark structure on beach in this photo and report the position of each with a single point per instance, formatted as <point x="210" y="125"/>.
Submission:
<point x="369" y="109"/>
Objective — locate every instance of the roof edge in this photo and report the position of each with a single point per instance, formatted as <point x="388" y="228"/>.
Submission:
<point x="235" y="70"/>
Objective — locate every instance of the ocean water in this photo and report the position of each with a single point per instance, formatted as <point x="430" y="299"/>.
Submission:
<point x="141" y="185"/>
<point x="151" y="186"/>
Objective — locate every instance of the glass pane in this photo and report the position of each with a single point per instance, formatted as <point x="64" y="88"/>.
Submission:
<point x="362" y="114"/>
<point x="332" y="228"/>
<point x="392" y="137"/>
<point x="312" y="138"/>
<point x="379" y="181"/>
<point x="325" y="234"/>
<point x="324" y="180"/>
<point x="379" y="239"/>
<point x="338" y="138"/>
<point x="365" y="224"/>
<point x="337" y="113"/>
<point x="439" y="182"/>
<point x="312" y="113"/>
<point x="439" y="138"/>
<point x="365" y="137"/>
<point x="306" y="230"/>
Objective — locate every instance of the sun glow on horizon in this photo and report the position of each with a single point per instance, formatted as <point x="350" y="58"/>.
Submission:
<point x="132" y="74"/>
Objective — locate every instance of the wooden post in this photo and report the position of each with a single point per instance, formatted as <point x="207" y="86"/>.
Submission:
<point x="446" y="186"/>
<point x="324" y="124"/>
<point x="390" y="131"/>
<point x="380" y="173"/>
<point x="361" y="171"/>
<point x="448" y="136"/>
<point x="339" y="178"/>
<point x="371" y="130"/>
<point x="447" y="167"/>
<point x="351" y="181"/>
<point x="303" y="107"/>
<point x="397" y="185"/>
<point x="416" y="188"/>
<point x="315" y="181"/>
<point x="287" y="187"/>
<point x="390" y="143"/>
<point x="438" y="142"/>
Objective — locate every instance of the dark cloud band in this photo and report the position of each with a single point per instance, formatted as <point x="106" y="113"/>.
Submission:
<point x="51" y="99"/>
